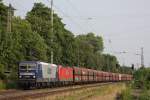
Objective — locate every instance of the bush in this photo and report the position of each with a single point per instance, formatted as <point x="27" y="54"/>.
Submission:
<point x="142" y="78"/>
<point x="11" y="85"/>
<point x="126" y="94"/>
<point x="8" y="84"/>
<point x="145" y="96"/>
<point x="2" y="85"/>
<point x="2" y="75"/>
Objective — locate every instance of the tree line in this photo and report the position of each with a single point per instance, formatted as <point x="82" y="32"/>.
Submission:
<point x="30" y="39"/>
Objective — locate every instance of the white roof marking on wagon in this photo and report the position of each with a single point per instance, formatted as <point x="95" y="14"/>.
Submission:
<point x="53" y="64"/>
<point x="47" y="63"/>
<point x="43" y="63"/>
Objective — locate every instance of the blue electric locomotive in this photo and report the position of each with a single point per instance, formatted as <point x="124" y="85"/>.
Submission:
<point x="37" y="74"/>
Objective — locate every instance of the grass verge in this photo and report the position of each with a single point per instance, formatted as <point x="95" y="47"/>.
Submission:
<point x="106" y="92"/>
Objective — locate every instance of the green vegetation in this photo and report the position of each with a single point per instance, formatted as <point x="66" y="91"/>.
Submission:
<point x="140" y="89"/>
<point x="30" y="39"/>
<point x="2" y="85"/>
<point x="8" y="85"/>
<point x="126" y="94"/>
<point x="142" y="81"/>
<point x="145" y="95"/>
<point x="142" y="78"/>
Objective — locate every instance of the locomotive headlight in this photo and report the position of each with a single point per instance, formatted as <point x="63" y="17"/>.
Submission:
<point x="34" y="76"/>
<point x="20" y="76"/>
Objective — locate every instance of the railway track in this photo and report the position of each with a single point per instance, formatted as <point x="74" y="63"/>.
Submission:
<point x="26" y="94"/>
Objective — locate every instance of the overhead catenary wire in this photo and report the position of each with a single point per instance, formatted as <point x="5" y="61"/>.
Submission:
<point x="69" y="17"/>
<point x="78" y="13"/>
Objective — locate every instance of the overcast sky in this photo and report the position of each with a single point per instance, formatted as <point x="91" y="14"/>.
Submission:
<point x="124" y="24"/>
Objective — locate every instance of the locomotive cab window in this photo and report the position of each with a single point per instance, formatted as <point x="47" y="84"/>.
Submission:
<point x="27" y="67"/>
<point x="23" y="67"/>
<point x="31" y="67"/>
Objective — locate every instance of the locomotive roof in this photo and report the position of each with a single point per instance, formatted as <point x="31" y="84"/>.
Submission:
<point x="39" y="62"/>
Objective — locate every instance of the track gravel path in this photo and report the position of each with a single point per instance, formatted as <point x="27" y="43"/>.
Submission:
<point x="26" y="94"/>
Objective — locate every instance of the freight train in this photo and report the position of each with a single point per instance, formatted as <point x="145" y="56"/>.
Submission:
<point x="40" y="74"/>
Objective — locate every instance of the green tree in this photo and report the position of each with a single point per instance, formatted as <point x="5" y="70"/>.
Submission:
<point x="3" y="16"/>
<point x="5" y="41"/>
<point x="95" y="41"/>
<point x="89" y="50"/>
<point x="109" y="63"/>
<point x="40" y="19"/>
<point x="29" y="45"/>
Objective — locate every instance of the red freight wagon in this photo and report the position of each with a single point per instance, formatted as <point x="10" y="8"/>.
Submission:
<point x="90" y="75"/>
<point x="107" y="76"/>
<point x="103" y="76"/>
<point x="100" y="75"/>
<point x="123" y="77"/>
<point x="111" y="76"/>
<point x="65" y="73"/>
<point x="130" y="77"/>
<point x="77" y="74"/>
<point x="116" y="77"/>
<point x="84" y="74"/>
<point x="127" y="77"/>
<point x="95" y="75"/>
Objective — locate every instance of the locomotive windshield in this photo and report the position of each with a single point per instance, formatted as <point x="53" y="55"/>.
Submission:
<point x="23" y="68"/>
<point x="27" y="67"/>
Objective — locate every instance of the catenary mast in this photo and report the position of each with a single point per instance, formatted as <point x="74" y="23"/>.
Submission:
<point x="52" y="34"/>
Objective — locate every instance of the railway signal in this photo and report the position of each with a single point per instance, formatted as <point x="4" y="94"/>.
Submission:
<point x="132" y="66"/>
